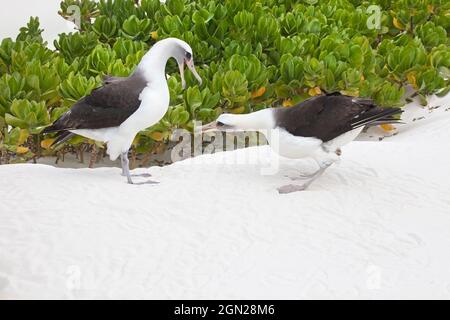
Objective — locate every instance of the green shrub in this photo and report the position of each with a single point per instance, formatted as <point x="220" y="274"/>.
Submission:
<point x="250" y="54"/>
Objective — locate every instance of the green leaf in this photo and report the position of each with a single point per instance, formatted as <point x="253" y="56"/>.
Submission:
<point x="15" y="122"/>
<point x="193" y="98"/>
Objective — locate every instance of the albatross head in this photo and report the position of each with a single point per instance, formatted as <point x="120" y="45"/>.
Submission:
<point x="155" y="60"/>
<point x="182" y="52"/>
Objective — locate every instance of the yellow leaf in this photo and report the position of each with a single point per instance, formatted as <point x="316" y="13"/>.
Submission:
<point x="47" y="143"/>
<point x="362" y="77"/>
<point x="154" y="35"/>
<point x="411" y="76"/>
<point x="135" y="141"/>
<point x="22" y="150"/>
<point x="23" y="136"/>
<point x="157" y="136"/>
<point x="430" y="8"/>
<point x="387" y="127"/>
<point x="397" y="24"/>
<point x="287" y="103"/>
<point x="258" y="93"/>
<point x="352" y="93"/>
<point x="314" y="91"/>
<point x="238" y="110"/>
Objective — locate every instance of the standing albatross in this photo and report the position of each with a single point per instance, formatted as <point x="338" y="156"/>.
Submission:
<point x="117" y="111"/>
<point x="316" y="128"/>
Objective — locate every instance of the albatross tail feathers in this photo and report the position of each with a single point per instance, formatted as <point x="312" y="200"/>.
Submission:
<point x="62" y="133"/>
<point x="62" y="137"/>
<point x="377" y="116"/>
<point x="51" y="129"/>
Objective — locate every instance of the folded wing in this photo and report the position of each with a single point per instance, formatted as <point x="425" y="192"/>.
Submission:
<point x="327" y="117"/>
<point x="107" y="106"/>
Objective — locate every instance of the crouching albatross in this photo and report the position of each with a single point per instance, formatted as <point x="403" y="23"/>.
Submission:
<point x="316" y="128"/>
<point x="117" y="111"/>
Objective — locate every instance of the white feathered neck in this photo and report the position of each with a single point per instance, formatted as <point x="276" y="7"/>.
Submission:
<point x="153" y="63"/>
<point x="259" y="120"/>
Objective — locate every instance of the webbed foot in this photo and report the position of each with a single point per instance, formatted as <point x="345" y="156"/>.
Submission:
<point x="290" y="188"/>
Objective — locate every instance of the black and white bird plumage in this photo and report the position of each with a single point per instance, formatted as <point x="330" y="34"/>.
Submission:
<point x="106" y="107"/>
<point x="329" y="116"/>
<point x="118" y="110"/>
<point x="315" y="128"/>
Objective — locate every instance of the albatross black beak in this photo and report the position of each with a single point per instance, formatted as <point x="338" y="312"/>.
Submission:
<point x="190" y="64"/>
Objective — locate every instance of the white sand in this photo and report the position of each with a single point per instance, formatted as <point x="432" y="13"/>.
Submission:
<point x="374" y="226"/>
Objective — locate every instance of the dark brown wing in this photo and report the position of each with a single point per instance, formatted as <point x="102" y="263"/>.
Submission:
<point x="327" y="117"/>
<point x="107" y="106"/>
<point x="110" y="79"/>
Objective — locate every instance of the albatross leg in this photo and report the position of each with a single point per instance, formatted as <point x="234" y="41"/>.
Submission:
<point x="126" y="171"/>
<point x="325" y="164"/>
<point x="290" y="188"/>
<point x="126" y="167"/>
<point x="123" y="165"/>
<point x="318" y="174"/>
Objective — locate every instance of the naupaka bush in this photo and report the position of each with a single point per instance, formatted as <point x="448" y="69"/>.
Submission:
<point x="251" y="55"/>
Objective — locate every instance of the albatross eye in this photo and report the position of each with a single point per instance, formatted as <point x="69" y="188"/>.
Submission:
<point x="188" y="55"/>
<point x="220" y="124"/>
